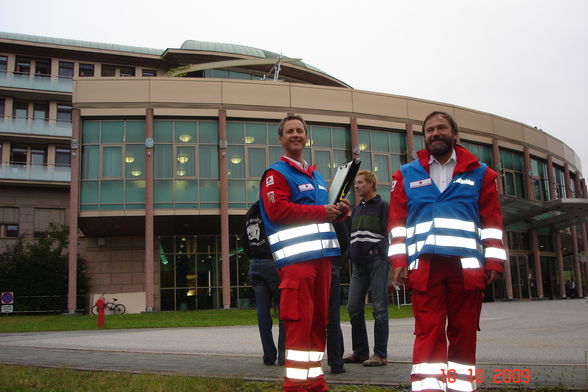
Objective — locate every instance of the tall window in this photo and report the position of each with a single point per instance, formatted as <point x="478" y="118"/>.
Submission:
<point x="3" y="64"/>
<point x="86" y="70"/>
<point x="18" y="155"/>
<point x="560" y="187"/>
<point x="63" y="112"/>
<point x="540" y="181"/>
<point x="62" y="157"/>
<point x="43" y="68"/>
<point x="148" y="72"/>
<point x="66" y="69"/>
<point x="108" y="70"/>
<point x="383" y="152"/>
<point x="40" y="112"/>
<point x="513" y="173"/>
<point x="38" y="156"/>
<point x="20" y="110"/>
<point x="2" y="108"/>
<point x="482" y="152"/>
<point x="127" y="71"/>
<point x="22" y="66"/>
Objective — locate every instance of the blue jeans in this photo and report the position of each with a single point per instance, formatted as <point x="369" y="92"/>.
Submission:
<point x="335" y="346"/>
<point x="265" y="282"/>
<point x="372" y="276"/>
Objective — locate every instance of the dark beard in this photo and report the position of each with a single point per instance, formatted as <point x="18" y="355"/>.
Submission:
<point x="437" y="149"/>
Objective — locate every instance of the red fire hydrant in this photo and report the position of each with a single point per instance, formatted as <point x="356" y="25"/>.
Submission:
<point x="100" y="305"/>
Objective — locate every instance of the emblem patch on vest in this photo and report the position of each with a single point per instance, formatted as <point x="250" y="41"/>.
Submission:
<point x="464" y="181"/>
<point x="393" y="186"/>
<point x="322" y="187"/>
<point x="269" y="181"/>
<point x="420" y="183"/>
<point x="305" y="187"/>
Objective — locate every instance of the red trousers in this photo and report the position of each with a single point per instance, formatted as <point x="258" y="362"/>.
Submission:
<point x="445" y="303"/>
<point x="304" y="305"/>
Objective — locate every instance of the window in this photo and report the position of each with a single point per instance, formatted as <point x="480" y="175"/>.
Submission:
<point x="560" y="187"/>
<point x="66" y="69"/>
<point x="11" y="231"/>
<point x="108" y="70"/>
<point x="63" y="112"/>
<point x="18" y="155"/>
<point x="2" y="108"/>
<point x="38" y="156"/>
<point x="22" y="66"/>
<point x="40" y="112"/>
<point x="44" y="217"/>
<point x="86" y="70"/>
<point x="149" y="72"/>
<point x="43" y="68"/>
<point x="20" y="110"/>
<point x="540" y="182"/>
<point x="3" y="64"/>
<point x="512" y="173"/>
<point x="382" y="152"/>
<point x="9" y="217"/>
<point x="482" y="152"/>
<point x="62" y="157"/>
<point x="127" y="71"/>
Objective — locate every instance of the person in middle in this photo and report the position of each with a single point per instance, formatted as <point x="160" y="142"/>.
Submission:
<point x="368" y="252"/>
<point x="298" y="220"/>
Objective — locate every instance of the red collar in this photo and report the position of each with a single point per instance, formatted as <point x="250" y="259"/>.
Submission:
<point x="466" y="161"/>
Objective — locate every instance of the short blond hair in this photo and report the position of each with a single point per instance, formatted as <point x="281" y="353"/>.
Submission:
<point x="369" y="177"/>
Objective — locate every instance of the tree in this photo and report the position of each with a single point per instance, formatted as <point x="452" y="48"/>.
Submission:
<point x="37" y="272"/>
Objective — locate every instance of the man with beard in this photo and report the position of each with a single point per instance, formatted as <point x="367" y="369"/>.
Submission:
<point x="445" y="228"/>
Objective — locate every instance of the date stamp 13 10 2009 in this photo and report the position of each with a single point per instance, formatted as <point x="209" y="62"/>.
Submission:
<point x="499" y="376"/>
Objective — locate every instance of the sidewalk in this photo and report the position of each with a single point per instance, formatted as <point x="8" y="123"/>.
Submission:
<point x="550" y="338"/>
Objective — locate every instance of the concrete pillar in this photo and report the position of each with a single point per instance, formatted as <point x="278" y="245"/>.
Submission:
<point x="537" y="262"/>
<point x="224" y="208"/>
<point x="560" y="266"/>
<point x="497" y="165"/>
<point x="74" y="193"/>
<point x="149" y="213"/>
<point x="577" y="269"/>
<point x="410" y="152"/>
<point x="354" y="128"/>
<point x="527" y="174"/>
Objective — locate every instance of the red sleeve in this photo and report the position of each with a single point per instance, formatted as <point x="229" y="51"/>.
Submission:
<point x="275" y="196"/>
<point x="491" y="218"/>
<point x="397" y="222"/>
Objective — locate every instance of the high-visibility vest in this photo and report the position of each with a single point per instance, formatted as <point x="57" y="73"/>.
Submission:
<point x="292" y="244"/>
<point x="445" y="223"/>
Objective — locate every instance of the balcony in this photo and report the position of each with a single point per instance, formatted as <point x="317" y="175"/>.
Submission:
<point x="22" y="126"/>
<point x="20" y="172"/>
<point x="36" y="82"/>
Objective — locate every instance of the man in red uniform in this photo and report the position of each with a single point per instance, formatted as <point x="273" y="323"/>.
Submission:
<point x="445" y="227"/>
<point x="297" y="219"/>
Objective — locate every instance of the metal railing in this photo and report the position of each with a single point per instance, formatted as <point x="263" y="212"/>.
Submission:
<point x="19" y="171"/>
<point x="35" y="82"/>
<point x="23" y="126"/>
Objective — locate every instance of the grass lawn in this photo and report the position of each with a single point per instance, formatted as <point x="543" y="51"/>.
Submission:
<point x="199" y="318"/>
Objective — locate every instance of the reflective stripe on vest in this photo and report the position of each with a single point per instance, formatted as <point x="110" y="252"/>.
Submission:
<point x="399" y="231"/>
<point x="303" y="374"/>
<point x="414" y="265"/>
<point x="443" y="240"/>
<point x="470" y="262"/>
<point x="302" y="247"/>
<point x="443" y="223"/>
<point x="299" y="232"/>
<point x="304" y="356"/>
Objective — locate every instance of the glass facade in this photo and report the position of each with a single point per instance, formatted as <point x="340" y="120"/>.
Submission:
<point x="560" y="187"/>
<point x="481" y="151"/>
<point x="191" y="273"/>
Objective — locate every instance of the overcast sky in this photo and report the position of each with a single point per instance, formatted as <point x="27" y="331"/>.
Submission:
<point x="526" y="60"/>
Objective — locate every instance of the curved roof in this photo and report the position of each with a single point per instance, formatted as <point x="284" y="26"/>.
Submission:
<point x="240" y="50"/>
<point x="80" y="44"/>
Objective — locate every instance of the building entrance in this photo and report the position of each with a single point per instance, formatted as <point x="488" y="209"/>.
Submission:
<point x="520" y="272"/>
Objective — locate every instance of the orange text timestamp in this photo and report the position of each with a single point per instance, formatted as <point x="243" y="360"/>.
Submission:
<point x="499" y="376"/>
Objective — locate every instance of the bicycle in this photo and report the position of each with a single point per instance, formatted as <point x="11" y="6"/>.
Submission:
<point x="110" y="306"/>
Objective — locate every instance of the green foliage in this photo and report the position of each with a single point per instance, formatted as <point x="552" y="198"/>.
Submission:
<point x="37" y="271"/>
<point x="176" y="72"/>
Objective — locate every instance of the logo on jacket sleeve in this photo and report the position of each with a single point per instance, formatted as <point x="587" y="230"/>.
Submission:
<point x="393" y="186"/>
<point x="420" y="183"/>
<point x="305" y="187"/>
<point x="270" y="197"/>
<point x="253" y="231"/>
<point x="269" y="181"/>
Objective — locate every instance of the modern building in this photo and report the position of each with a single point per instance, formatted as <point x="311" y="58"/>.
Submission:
<point x="152" y="157"/>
